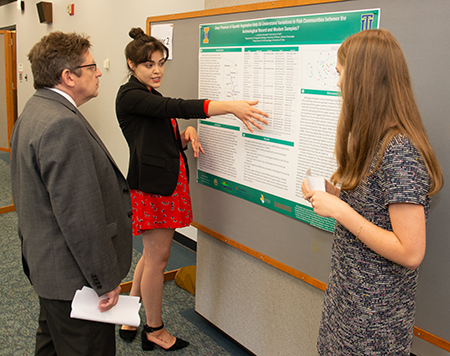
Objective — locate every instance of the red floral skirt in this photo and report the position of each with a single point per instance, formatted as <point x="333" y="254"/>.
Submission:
<point x="152" y="211"/>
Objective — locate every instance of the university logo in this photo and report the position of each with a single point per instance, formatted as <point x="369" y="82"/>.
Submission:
<point x="366" y="21"/>
<point x="205" y="34"/>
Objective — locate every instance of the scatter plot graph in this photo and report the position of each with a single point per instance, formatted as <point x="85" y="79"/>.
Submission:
<point x="320" y="70"/>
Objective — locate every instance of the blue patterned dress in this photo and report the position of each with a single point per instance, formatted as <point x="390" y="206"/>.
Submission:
<point x="369" y="305"/>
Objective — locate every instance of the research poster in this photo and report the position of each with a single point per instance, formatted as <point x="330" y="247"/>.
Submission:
<point x="288" y="64"/>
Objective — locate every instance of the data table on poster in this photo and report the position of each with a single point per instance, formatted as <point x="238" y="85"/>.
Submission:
<point x="288" y="65"/>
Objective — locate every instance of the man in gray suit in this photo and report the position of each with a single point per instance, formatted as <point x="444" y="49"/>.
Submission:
<point x="72" y="201"/>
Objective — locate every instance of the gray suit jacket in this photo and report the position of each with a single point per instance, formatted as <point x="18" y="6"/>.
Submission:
<point x="72" y="201"/>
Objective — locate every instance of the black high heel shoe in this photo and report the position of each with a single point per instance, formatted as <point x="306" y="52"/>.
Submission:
<point x="127" y="335"/>
<point x="148" y="345"/>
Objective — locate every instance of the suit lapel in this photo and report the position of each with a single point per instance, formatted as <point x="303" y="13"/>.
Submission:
<point x="52" y="95"/>
<point x="94" y="135"/>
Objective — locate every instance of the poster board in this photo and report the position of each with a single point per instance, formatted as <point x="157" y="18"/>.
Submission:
<point x="289" y="64"/>
<point x="422" y="30"/>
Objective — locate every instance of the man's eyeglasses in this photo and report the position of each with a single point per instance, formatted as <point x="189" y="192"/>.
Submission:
<point x="89" y="65"/>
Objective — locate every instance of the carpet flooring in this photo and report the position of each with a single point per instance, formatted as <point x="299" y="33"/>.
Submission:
<point x="19" y="304"/>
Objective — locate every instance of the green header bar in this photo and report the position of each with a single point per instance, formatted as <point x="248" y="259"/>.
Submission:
<point x="321" y="92"/>
<point x="215" y="124"/>
<point x="222" y="50"/>
<point x="329" y="28"/>
<point x="268" y="139"/>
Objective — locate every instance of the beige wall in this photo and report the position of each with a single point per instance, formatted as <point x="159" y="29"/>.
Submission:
<point x="107" y="23"/>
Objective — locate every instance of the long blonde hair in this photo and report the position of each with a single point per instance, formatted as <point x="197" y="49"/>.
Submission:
<point x="377" y="95"/>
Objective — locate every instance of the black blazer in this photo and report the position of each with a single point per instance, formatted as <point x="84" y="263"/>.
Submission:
<point x="144" y="117"/>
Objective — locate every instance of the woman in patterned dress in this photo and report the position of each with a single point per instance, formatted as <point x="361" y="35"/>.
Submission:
<point x="158" y="172"/>
<point x="387" y="172"/>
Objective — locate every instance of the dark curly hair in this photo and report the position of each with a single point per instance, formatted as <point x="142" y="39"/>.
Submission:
<point x="142" y="47"/>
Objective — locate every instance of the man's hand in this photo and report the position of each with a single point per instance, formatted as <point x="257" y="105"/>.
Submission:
<point x="109" y="300"/>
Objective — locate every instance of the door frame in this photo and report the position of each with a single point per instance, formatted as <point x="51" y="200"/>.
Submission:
<point x="11" y="81"/>
<point x="11" y="91"/>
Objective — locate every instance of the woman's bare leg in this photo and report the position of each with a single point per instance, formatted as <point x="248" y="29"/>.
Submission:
<point x="157" y="244"/>
<point x="136" y="286"/>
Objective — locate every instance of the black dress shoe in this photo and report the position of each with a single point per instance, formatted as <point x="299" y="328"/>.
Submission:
<point x="127" y="335"/>
<point x="179" y="344"/>
<point x="148" y="345"/>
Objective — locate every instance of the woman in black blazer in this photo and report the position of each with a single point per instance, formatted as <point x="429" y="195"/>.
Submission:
<point x="158" y="172"/>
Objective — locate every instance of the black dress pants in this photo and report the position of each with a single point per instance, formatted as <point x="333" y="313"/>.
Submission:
<point x="59" y="334"/>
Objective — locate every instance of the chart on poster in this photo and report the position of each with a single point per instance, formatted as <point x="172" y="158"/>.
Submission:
<point x="289" y="65"/>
